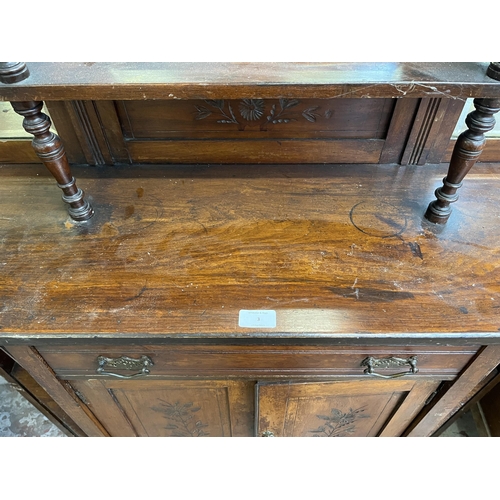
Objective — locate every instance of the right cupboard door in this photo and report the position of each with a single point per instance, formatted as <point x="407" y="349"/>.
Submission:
<point x="362" y="408"/>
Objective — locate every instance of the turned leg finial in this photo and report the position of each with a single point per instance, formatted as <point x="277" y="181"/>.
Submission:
<point x="47" y="145"/>
<point x="493" y="70"/>
<point x="13" y="72"/>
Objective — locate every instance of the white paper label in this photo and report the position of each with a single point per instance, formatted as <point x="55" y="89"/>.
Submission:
<point x="257" y="319"/>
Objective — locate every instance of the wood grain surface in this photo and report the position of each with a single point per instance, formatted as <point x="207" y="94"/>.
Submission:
<point x="99" y="80"/>
<point x="339" y="252"/>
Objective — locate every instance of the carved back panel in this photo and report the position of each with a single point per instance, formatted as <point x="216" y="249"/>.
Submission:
<point x="265" y="131"/>
<point x="256" y="130"/>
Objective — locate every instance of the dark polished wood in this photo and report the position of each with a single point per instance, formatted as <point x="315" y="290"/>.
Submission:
<point x="84" y="84"/>
<point x="248" y="131"/>
<point x="467" y="149"/>
<point x="217" y="360"/>
<point x="182" y="250"/>
<point x="493" y="70"/>
<point x="47" y="144"/>
<point x="361" y="285"/>
<point x="13" y="72"/>
<point x="466" y="152"/>
<point x="132" y="81"/>
<point x="50" y="150"/>
<point x="431" y="130"/>
<point x="179" y="250"/>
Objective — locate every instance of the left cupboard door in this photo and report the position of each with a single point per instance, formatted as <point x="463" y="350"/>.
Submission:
<point x="168" y="408"/>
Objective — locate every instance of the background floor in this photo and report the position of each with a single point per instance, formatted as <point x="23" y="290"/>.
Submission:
<point x="19" y="418"/>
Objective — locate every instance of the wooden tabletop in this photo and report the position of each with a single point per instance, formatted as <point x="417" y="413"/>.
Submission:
<point x="136" y="81"/>
<point x="339" y="252"/>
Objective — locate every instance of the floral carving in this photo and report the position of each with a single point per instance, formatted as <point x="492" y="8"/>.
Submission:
<point x="279" y="116"/>
<point x="339" y="424"/>
<point x="180" y="417"/>
<point x="311" y="114"/>
<point x="251" y="109"/>
<point x="202" y="112"/>
<point x="218" y="106"/>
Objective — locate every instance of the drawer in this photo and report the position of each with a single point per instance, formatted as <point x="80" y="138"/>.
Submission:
<point x="224" y="361"/>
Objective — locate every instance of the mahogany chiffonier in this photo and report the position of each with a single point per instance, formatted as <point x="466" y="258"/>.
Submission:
<point x="251" y="250"/>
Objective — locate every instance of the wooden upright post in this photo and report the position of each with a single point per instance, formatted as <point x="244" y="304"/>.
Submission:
<point x="47" y="145"/>
<point x="468" y="148"/>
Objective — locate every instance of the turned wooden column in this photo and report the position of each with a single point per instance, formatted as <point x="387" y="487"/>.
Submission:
<point x="47" y="145"/>
<point x="467" y="150"/>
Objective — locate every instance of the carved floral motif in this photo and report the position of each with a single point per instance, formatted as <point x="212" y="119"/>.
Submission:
<point x="179" y="418"/>
<point x="339" y="424"/>
<point x="219" y="106"/>
<point x="253" y="110"/>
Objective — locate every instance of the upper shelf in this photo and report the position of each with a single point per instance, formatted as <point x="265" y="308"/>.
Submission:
<point x="136" y="81"/>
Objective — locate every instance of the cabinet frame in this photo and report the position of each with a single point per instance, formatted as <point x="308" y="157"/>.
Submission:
<point x="431" y="417"/>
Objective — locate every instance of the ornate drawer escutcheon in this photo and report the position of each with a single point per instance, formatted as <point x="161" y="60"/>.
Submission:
<point x="124" y="363"/>
<point x="372" y="363"/>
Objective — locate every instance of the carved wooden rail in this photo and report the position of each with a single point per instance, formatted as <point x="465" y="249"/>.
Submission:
<point x="280" y="80"/>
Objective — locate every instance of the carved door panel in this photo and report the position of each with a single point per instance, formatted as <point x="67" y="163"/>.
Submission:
<point x="334" y="409"/>
<point x="170" y="408"/>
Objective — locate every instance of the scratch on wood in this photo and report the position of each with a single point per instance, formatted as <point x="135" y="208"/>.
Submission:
<point x="287" y="302"/>
<point x="411" y="86"/>
<point x="415" y="249"/>
<point x="372" y="294"/>
<point x="137" y="295"/>
<point x="351" y="253"/>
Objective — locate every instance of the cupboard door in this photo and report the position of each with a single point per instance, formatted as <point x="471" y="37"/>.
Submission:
<point x="170" y="408"/>
<point x="361" y="408"/>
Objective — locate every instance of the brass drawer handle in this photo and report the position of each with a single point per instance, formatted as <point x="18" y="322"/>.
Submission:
<point x="125" y="363"/>
<point x="372" y="363"/>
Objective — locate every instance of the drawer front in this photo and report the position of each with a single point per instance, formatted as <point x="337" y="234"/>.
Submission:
<point x="255" y="361"/>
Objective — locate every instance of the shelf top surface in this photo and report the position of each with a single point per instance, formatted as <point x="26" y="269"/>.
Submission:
<point x="137" y="81"/>
<point x="178" y="252"/>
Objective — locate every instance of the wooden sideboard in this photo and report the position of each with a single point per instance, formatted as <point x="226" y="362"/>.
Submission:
<point x="145" y="319"/>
